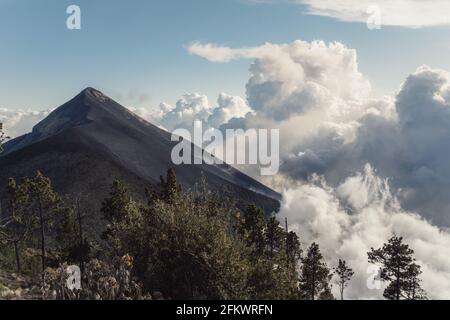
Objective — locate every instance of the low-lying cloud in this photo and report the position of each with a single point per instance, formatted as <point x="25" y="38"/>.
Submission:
<point x="17" y="122"/>
<point x="196" y="107"/>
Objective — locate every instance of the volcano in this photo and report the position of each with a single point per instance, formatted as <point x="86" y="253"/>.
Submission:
<point x="92" y="140"/>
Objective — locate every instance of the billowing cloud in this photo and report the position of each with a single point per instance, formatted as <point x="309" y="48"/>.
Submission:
<point x="294" y="79"/>
<point x="359" y="214"/>
<point x="402" y="13"/>
<point x="189" y="108"/>
<point x="196" y="107"/>
<point x="409" y="147"/>
<point x="17" y="122"/>
<point x="228" y="108"/>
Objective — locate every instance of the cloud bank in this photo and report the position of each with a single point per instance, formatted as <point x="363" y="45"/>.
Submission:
<point x="17" y="122"/>
<point x="196" y="107"/>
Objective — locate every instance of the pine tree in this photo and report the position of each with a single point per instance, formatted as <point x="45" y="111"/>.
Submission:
<point x="69" y="235"/>
<point x="412" y="286"/>
<point x="398" y="268"/>
<point x="253" y="229"/>
<point x="114" y="207"/>
<point x="293" y="249"/>
<point x="344" y="274"/>
<point x="314" y="275"/>
<point x="43" y="204"/>
<point x="273" y="236"/>
<point x="170" y="187"/>
<point x="125" y="224"/>
<point x="326" y="293"/>
<point x="82" y="251"/>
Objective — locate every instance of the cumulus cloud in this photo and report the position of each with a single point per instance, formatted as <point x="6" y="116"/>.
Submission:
<point x="291" y="79"/>
<point x="359" y="214"/>
<point x="189" y="107"/>
<point x="17" y="122"/>
<point x="196" y="107"/>
<point x="404" y="13"/>
<point x="228" y="108"/>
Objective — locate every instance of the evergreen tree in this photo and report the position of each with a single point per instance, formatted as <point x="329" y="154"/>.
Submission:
<point x="293" y="249"/>
<point x="124" y="221"/>
<point x="314" y="275"/>
<point x="170" y="186"/>
<point x="344" y="275"/>
<point x="83" y="249"/>
<point x="114" y="207"/>
<point x="253" y="229"/>
<point x="69" y="235"/>
<point x="413" y="289"/>
<point x="398" y="268"/>
<point x="326" y="293"/>
<point x="43" y="204"/>
<point x="273" y="236"/>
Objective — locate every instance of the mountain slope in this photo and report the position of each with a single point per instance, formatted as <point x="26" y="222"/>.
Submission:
<point x="91" y="140"/>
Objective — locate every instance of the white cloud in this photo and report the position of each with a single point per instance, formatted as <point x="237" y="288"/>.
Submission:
<point x="194" y="106"/>
<point x="17" y="122"/>
<point x="291" y="79"/>
<point x="403" y="13"/>
<point x="190" y="107"/>
<point x="359" y="214"/>
<point x="228" y="107"/>
<point x="213" y="53"/>
<point x="405" y="141"/>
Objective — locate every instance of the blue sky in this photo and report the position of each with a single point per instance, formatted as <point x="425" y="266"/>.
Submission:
<point x="138" y="48"/>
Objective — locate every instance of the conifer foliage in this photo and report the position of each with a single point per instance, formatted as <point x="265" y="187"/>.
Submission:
<point x="315" y="276"/>
<point x="399" y="269"/>
<point x="344" y="274"/>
